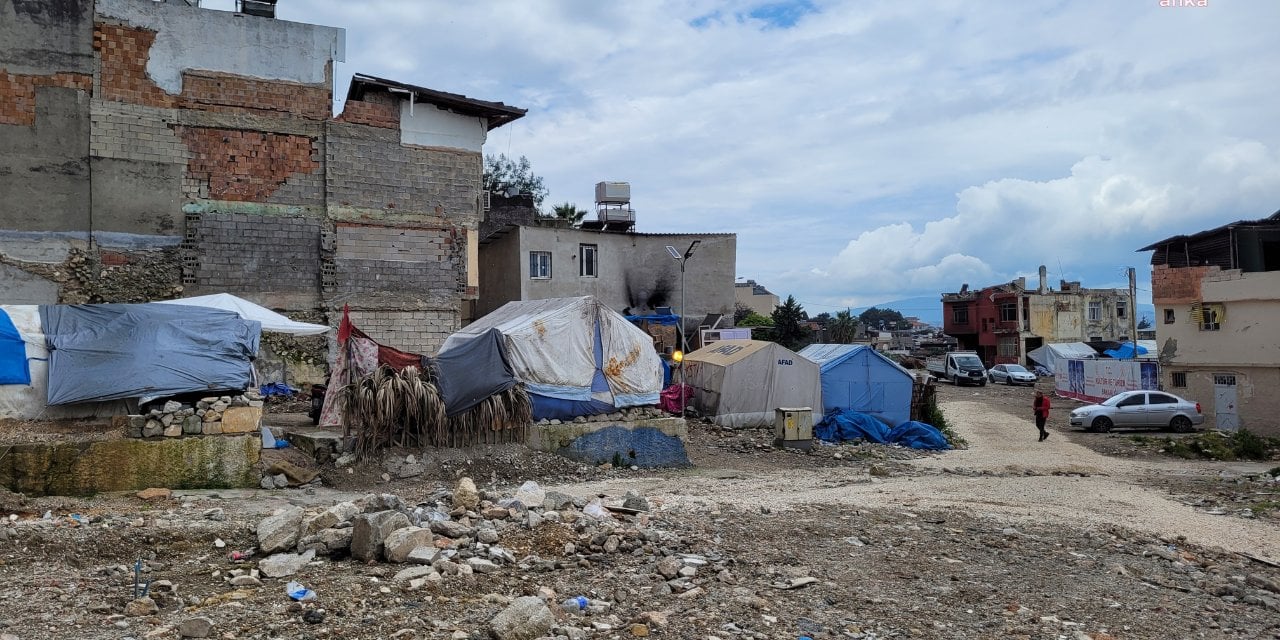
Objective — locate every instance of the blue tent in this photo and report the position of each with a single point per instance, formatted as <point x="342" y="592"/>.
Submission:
<point x="858" y="378"/>
<point x="1125" y="351"/>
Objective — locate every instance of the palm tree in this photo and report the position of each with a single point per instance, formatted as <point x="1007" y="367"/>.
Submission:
<point x="843" y="328"/>
<point x="571" y="212"/>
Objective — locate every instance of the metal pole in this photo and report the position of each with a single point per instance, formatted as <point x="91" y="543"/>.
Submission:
<point x="1133" y="310"/>
<point x="683" y="345"/>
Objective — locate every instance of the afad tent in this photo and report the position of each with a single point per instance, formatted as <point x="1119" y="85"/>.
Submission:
<point x="858" y="378"/>
<point x="1047" y="355"/>
<point x="575" y="356"/>
<point x="740" y="383"/>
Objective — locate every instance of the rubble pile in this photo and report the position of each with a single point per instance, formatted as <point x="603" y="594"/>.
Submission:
<point x="213" y="415"/>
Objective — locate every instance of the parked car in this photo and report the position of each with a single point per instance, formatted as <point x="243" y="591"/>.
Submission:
<point x="1011" y="374"/>
<point x="1139" y="409"/>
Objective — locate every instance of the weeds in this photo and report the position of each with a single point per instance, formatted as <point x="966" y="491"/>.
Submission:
<point x="933" y="416"/>
<point x="1218" y="445"/>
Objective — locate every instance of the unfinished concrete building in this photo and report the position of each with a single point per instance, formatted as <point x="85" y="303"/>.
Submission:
<point x="1004" y="322"/>
<point x="152" y="150"/>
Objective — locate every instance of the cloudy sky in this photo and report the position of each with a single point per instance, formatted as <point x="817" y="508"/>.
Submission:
<point x="872" y="150"/>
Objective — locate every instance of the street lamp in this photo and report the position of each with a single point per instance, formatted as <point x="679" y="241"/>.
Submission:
<point x="682" y="259"/>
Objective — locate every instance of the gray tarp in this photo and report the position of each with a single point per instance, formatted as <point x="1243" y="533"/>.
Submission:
<point x="111" y="351"/>
<point x="473" y="370"/>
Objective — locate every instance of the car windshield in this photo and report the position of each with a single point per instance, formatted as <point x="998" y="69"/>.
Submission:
<point x="1114" y="400"/>
<point x="968" y="362"/>
<point x="1014" y="368"/>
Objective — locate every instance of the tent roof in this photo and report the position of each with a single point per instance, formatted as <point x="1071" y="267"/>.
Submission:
<point x="519" y="313"/>
<point x="829" y="356"/>
<point x="1071" y="349"/>
<point x="270" y="320"/>
<point x="727" y="352"/>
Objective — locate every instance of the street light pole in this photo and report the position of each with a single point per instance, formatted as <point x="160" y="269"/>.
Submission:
<point x="682" y="259"/>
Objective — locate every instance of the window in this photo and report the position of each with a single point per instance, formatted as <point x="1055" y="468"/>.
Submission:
<point x="1168" y="316"/>
<point x="1160" y="398"/>
<point x="1225" y="379"/>
<point x="1208" y="316"/>
<point x="587" y="266"/>
<point x="1008" y="312"/>
<point x="1180" y="379"/>
<point x="1122" y="309"/>
<point x="540" y="265"/>
<point x="1007" y="347"/>
<point x="1095" y="312"/>
<point x="1135" y="400"/>
<point x="960" y="314"/>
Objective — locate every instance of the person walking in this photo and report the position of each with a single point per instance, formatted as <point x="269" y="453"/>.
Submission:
<point x="1041" y="406"/>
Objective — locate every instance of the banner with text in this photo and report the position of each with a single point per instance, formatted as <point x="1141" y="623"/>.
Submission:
<point x="1097" y="380"/>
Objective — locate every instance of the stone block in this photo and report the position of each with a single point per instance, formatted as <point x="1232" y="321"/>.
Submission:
<point x="402" y="542"/>
<point x="370" y="531"/>
<point x="527" y="618"/>
<point x="135" y="426"/>
<point x="152" y="428"/>
<point x="211" y="428"/>
<point x="242" y="420"/>
<point x="280" y="531"/>
<point x="173" y="431"/>
<point x="191" y="425"/>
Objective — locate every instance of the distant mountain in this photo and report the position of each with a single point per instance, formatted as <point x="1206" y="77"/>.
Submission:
<point x="929" y="309"/>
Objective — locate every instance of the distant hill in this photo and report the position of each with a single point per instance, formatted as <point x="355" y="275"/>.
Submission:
<point x="929" y="309"/>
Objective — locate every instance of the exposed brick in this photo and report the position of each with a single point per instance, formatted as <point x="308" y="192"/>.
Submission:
<point x="376" y="111"/>
<point x="225" y="92"/>
<point x="18" y="93"/>
<point x="1178" y="285"/>
<point x="122" y="57"/>
<point x="245" y="166"/>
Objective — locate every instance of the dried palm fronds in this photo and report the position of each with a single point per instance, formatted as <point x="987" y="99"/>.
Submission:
<point x="405" y="409"/>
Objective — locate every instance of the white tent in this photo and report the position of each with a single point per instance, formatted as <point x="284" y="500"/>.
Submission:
<point x="1047" y="355"/>
<point x="740" y="383"/>
<point x="573" y="349"/>
<point x="271" y="321"/>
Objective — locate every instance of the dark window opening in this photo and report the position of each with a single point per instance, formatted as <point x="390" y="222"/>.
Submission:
<point x="1180" y="379"/>
<point x="1168" y="316"/>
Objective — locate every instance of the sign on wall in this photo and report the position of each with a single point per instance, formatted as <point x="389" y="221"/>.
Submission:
<point x="1097" y="380"/>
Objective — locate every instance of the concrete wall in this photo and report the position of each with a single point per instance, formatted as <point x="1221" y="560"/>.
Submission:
<point x="431" y="126"/>
<point x="1249" y="334"/>
<point x="744" y="294"/>
<point x="635" y="270"/>
<point x="1257" y="404"/>
<point x="500" y="263"/>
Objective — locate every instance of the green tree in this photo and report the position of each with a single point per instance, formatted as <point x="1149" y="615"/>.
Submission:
<point x="843" y="328"/>
<point x="740" y="312"/>
<point x="788" y="329"/>
<point x="570" y="212"/>
<point x="1144" y="322"/>
<point x="753" y="319"/>
<point x="875" y="318"/>
<point x="502" y="174"/>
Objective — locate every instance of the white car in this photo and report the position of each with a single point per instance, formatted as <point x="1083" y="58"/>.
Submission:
<point x="1011" y="374"/>
<point x="1139" y="409"/>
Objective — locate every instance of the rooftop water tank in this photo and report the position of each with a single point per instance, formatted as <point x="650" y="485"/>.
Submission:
<point x="613" y="192"/>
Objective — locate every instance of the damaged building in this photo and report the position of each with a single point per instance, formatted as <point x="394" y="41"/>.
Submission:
<point x="1004" y="322"/>
<point x="153" y="150"/>
<point x="1217" y="297"/>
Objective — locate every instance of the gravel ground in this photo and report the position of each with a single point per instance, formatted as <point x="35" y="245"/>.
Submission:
<point x="1010" y="538"/>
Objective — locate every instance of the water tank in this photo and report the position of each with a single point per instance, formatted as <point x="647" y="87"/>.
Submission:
<point x="613" y="192"/>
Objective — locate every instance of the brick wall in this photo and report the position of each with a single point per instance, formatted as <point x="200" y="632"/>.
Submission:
<point x="134" y="132"/>
<point x="376" y="110"/>
<point x="245" y="166"/>
<point x="370" y="169"/>
<point x="396" y="259"/>
<point x="122" y="75"/>
<point x="1177" y="285"/>
<point x="230" y="93"/>
<point x="240" y="253"/>
<point x="416" y="331"/>
<point x="18" y="93"/>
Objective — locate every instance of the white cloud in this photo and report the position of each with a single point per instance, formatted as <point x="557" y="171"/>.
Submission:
<point x="874" y="150"/>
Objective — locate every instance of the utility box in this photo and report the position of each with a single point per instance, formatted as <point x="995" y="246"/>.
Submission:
<point x="793" y="427"/>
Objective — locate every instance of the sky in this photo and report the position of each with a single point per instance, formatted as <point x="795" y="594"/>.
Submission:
<point x="866" y="151"/>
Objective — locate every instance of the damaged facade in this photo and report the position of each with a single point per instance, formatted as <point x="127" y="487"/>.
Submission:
<point x="1004" y="322"/>
<point x="528" y="257"/>
<point x="156" y="150"/>
<point x="1217" y="297"/>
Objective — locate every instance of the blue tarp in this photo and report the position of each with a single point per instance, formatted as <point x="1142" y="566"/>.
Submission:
<point x="1124" y="351"/>
<point x="670" y="319"/>
<point x="838" y="426"/>
<point x="858" y="378"/>
<point x="13" y="354"/>
<point x="114" y="351"/>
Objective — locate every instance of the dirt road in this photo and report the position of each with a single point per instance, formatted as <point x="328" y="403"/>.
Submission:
<point x="1004" y="474"/>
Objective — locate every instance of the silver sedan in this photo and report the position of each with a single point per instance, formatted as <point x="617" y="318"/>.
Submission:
<point x="1011" y="374"/>
<point x="1139" y="409"/>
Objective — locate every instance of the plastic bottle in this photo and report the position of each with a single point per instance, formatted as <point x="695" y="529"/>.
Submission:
<point x="575" y="605"/>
